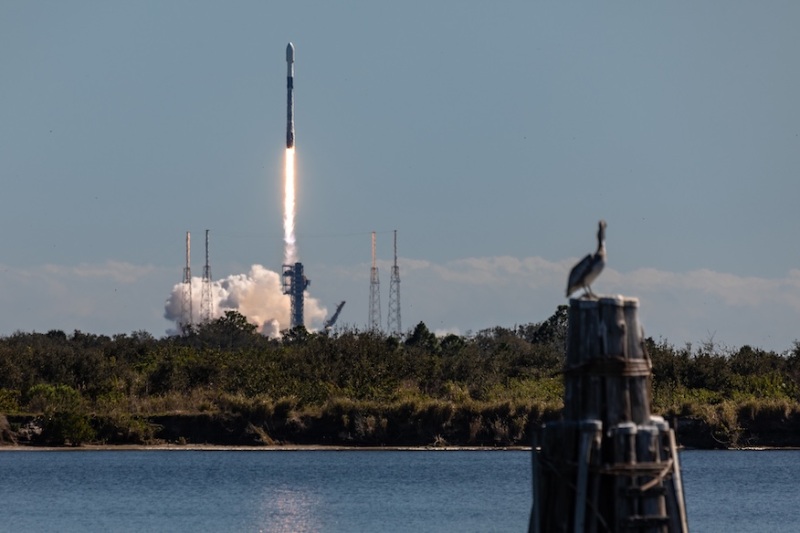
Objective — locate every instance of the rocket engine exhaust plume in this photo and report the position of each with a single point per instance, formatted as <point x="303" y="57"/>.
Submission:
<point x="290" y="247"/>
<point x="257" y="295"/>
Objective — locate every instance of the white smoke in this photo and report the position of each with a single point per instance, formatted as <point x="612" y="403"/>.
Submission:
<point x="257" y="295"/>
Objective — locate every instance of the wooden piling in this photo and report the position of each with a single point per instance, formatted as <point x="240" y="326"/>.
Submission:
<point x="608" y="464"/>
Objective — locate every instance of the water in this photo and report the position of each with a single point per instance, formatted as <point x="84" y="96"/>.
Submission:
<point x="271" y="491"/>
<point x="742" y="491"/>
<point x="333" y="491"/>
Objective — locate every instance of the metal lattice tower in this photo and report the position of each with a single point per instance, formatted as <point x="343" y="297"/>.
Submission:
<point x="206" y="303"/>
<point x="294" y="284"/>
<point x="394" y="324"/>
<point x="374" y="293"/>
<point x="186" y="292"/>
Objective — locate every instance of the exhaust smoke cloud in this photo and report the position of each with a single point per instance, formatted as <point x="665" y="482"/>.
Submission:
<point x="257" y="295"/>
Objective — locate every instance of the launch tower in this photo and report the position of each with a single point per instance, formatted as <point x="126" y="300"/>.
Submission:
<point x="294" y="284"/>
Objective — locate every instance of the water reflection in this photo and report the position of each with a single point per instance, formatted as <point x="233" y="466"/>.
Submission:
<point x="285" y="510"/>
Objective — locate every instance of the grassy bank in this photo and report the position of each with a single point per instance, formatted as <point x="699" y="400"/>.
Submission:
<point x="224" y="384"/>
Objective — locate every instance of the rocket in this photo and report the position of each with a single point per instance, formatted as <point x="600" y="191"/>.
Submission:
<point x="290" y="95"/>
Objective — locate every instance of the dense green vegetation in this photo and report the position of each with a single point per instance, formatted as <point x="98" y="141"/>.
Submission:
<point x="357" y="387"/>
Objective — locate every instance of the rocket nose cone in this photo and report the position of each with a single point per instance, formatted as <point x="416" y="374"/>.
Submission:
<point x="290" y="53"/>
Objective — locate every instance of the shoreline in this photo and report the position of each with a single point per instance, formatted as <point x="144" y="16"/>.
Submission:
<point x="268" y="448"/>
<point x="321" y="448"/>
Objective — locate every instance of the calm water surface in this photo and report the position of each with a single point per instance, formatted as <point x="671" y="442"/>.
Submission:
<point x="337" y="491"/>
<point x="264" y="491"/>
<point x="742" y="491"/>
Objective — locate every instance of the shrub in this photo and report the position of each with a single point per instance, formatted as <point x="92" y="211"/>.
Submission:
<point x="124" y="429"/>
<point x="9" y="401"/>
<point x="44" y="398"/>
<point x="66" y="427"/>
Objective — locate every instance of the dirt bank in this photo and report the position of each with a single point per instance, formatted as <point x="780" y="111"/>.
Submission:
<point x="368" y="430"/>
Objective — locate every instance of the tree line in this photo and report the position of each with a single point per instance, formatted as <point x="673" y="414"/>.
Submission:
<point x="508" y="378"/>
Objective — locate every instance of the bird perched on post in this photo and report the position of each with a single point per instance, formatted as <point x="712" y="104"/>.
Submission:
<point x="585" y="272"/>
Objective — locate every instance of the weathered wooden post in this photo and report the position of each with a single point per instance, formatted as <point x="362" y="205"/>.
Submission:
<point x="608" y="465"/>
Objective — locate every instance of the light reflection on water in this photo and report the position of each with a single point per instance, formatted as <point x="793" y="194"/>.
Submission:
<point x="286" y="510"/>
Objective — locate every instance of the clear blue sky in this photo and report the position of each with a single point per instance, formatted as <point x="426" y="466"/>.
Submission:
<point x="491" y="135"/>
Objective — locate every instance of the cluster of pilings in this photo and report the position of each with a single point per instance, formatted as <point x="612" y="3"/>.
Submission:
<point x="608" y="465"/>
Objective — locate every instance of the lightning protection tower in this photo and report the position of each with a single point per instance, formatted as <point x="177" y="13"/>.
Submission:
<point x="186" y="292"/>
<point x="206" y="303"/>
<point x="374" y="293"/>
<point x="395" y="328"/>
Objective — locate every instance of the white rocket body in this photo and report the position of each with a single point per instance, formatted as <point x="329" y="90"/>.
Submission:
<point x="290" y="95"/>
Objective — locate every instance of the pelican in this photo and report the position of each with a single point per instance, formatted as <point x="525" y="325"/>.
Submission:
<point x="585" y="272"/>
